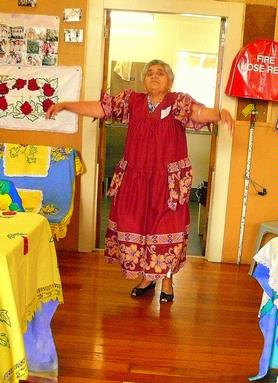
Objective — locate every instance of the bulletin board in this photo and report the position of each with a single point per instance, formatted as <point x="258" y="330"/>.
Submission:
<point x="69" y="54"/>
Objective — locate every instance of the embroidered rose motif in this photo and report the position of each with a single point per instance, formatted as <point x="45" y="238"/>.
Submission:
<point x="3" y="103"/>
<point x="19" y="84"/>
<point x="26" y="108"/>
<point x="46" y="104"/>
<point x="3" y="88"/>
<point x="48" y="91"/>
<point x="32" y="84"/>
<point x="44" y="94"/>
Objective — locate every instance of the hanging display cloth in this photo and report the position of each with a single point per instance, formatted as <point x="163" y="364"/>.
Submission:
<point x="254" y="74"/>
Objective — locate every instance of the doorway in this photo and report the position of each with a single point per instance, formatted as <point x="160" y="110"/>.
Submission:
<point x="190" y="44"/>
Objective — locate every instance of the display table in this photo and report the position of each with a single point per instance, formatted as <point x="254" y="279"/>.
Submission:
<point x="30" y="291"/>
<point x="266" y="273"/>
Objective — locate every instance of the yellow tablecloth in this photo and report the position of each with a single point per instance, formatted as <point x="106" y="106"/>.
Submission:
<point x="27" y="280"/>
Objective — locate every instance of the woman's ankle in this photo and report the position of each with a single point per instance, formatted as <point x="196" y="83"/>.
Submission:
<point x="144" y="282"/>
<point x="167" y="285"/>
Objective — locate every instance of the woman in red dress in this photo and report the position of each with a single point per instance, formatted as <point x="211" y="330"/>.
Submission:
<point x="149" y="218"/>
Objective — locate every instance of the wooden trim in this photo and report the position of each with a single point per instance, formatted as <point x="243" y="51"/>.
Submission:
<point x="102" y="130"/>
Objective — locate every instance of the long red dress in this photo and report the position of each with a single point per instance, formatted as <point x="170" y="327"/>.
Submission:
<point x="149" y="218"/>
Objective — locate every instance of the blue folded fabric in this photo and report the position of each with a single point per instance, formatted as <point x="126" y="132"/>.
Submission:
<point x="38" y="340"/>
<point x="268" y="325"/>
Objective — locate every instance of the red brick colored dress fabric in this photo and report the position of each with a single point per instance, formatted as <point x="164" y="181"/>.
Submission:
<point x="149" y="218"/>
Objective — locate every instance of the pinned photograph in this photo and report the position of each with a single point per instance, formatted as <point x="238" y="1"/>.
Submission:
<point x="33" y="47"/>
<point x="73" y="35"/>
<point x="4" y="31"/>
<point x="49" y="59"/>
<point x="36" y="33"/>
<point x="52" y="35"/>
<point x="72" y="15"/>
<point x="27" y="3"/>
<point x="33" y="59"/>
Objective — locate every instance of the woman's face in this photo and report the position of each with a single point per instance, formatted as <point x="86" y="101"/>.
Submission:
<point x="157" y="80"/>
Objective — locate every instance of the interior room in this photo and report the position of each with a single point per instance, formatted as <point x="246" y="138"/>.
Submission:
<point x="84" y="300"/>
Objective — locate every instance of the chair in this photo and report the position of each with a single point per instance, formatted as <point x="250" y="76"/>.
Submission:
<point x="265" y="227"/>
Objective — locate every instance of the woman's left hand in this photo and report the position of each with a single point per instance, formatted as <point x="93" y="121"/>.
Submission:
<point x="226" y="118"/>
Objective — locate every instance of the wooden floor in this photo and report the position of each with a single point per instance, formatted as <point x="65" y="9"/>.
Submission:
<point x="209" y="334"/>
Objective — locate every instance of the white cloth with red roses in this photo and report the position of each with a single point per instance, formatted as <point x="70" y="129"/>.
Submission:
<point x="26" y="93"/>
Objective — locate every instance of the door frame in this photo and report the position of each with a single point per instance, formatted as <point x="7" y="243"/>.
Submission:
<point x="234" y="13"/>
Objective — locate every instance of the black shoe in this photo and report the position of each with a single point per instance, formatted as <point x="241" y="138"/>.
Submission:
<point x="139" y="291"/>
<point x="165" y="298"/>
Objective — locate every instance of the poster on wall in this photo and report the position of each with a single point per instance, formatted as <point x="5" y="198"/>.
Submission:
<point x="73" y="35"/>
<point x="27" y="3"/>
<point x="72" y="15"/>
<point x="28" y="39"/>
<point x="26" y="93"/>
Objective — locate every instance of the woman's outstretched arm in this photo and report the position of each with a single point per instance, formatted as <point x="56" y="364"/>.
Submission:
<point x="203" y="114"/>
<point x="84" y="108"/>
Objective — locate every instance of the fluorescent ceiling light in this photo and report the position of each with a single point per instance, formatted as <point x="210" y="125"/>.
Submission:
<point x="183" y="54"/>
<point x="126" y="31"/>
<point x="119" y="17"/>
<point x="200" y="16"/>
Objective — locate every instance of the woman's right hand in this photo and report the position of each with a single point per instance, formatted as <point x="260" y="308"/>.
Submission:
<point x="54" y="109"/>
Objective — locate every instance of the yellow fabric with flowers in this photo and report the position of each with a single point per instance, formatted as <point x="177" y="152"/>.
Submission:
<point x="26" y="160"/>
<point x="29" y="276"/>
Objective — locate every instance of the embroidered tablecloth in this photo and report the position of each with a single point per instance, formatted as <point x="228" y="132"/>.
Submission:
<point x="29" y="278"/>
<point x="266" y="273"/>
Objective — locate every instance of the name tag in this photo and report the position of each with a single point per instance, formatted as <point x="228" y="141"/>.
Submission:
<point x="165" y="112"/>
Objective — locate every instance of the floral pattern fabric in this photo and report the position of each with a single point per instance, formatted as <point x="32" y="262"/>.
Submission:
<point x="149" y="218"/>
<point x="182" y="109"/>
<point x="117" y="178"/>
<point x="116" y="108"/>
<point x="152" y="256"/>
<point x="179" y="181"/>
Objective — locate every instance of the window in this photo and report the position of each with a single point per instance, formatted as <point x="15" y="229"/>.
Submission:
<point x="196" y="75"/>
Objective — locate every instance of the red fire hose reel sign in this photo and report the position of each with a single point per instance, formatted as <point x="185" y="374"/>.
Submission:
<point x="254" y="72"/>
